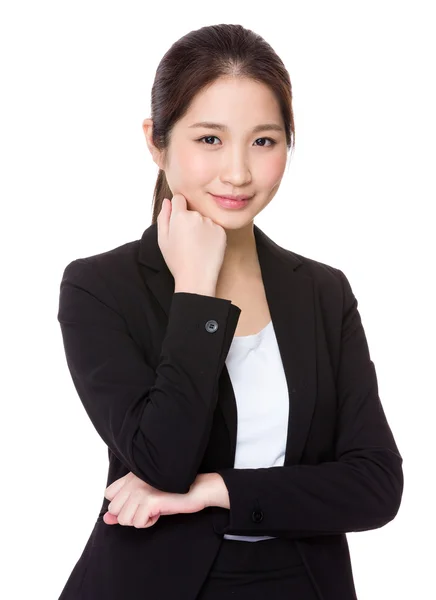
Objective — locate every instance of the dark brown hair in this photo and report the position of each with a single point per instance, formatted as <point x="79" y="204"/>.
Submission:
<point x="196" y="60"/>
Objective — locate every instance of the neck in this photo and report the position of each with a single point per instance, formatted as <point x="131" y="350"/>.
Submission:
<point x="240" y="258"/>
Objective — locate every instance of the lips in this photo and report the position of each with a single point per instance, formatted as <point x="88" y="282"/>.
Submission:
<point x="230" y="203"/>
<point x="227" y="197"/>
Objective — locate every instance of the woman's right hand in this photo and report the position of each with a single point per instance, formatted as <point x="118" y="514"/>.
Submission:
<point x="192" y="245"/>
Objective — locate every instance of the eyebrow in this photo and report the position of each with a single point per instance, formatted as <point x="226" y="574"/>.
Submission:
<point x="220" y="127"/>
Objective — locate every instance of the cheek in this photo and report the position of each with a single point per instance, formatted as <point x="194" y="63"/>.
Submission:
<point x="271" y="171"/>
<point x="194" y="167"/>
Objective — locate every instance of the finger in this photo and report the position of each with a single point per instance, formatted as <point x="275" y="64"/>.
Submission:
<point x="116" y="505"/>
<point x="153" y="515"/>
<point x="127" y="513"/>
<point x="142" y="515"/>
<point x="151" y="521"/>
<point x="110" y="519"/>
<point x="178" y="203"/>
<point x="113" y="489"/>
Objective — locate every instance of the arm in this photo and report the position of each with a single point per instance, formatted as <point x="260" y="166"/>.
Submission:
<point x="156" y="421"/>
<point x="360" y="490"/>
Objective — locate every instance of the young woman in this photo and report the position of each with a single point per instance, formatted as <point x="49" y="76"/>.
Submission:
<point x="230" y="378"/>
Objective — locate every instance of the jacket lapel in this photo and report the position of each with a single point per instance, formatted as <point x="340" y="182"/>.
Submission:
<point x="290" y="296"/>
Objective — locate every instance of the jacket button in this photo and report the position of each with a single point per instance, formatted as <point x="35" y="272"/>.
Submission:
<point x="257" y="516"/>
<point x="211" y="326"/>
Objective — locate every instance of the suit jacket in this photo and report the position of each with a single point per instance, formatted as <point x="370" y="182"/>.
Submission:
<point x="149" y="368"/>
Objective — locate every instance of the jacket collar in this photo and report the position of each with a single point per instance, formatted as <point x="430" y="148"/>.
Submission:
<point x="290" y="294"/>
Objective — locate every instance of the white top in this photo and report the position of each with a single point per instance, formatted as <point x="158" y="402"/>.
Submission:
<point x="261" y="392"/>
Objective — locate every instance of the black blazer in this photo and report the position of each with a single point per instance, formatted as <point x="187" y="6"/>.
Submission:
<point x="149" y="368"/>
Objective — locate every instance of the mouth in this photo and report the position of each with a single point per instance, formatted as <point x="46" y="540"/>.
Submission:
<point x="226" y="202"/>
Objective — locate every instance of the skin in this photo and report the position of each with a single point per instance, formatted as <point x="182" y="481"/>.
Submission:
<point x="234" y="161"/>
<point x="136" y="503"/>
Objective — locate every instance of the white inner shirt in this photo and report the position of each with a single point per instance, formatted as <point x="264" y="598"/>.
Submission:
<point x="261" y="392"/>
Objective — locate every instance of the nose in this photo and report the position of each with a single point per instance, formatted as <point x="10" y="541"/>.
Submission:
<point x="235" y="168"/>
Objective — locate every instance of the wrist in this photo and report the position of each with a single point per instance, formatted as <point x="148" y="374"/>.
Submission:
<point x="217" y="493"/>
<point x="207" y="288"/>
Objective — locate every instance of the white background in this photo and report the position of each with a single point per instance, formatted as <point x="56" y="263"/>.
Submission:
<point x="77" y="179"/>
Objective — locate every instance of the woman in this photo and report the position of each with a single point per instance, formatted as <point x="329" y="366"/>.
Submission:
<point x="229" y="377"/>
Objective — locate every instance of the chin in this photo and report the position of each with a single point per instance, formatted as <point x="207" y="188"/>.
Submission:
<point x="233" y="222"/>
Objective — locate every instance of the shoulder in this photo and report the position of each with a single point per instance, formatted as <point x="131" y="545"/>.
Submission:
<point x="331" y="285"/>
<point x="322" y="273"/>
<point x="116" y="265"/>
<point x="315" y="268"/>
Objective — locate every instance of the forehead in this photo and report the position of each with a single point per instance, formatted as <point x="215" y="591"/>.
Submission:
<point x="233" y="101"/>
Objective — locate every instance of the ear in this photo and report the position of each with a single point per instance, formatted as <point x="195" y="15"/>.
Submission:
<point x="157" y="155"/>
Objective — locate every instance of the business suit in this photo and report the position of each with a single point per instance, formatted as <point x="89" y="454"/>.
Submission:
<point x="149" y="367"/>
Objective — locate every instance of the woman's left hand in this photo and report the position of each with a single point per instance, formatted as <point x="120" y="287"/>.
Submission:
<point x="135" y="502"/>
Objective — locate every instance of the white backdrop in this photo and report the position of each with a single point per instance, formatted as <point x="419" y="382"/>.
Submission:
<point x="77" y="179"/>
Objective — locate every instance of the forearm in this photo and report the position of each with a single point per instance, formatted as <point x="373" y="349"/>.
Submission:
<point x="303" y="500"/>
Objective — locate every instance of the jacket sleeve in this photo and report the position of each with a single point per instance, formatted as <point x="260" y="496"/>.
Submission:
<point x="156" y="421"/>
<point x="360" y="490"/>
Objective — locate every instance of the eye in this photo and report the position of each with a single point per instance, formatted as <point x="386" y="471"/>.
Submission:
<point x="208" y="137"/>
<point x="272" y="142"/>
<point x="211" y="137"/>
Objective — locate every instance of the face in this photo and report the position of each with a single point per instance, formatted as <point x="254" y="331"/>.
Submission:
<point x="203" y="161"/>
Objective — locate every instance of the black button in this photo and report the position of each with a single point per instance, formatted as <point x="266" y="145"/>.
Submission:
<point x="257" y="516"/>
<point x="211" y="326"/>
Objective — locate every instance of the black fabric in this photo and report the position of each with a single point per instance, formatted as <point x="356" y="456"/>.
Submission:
<point x="270" y="569"/>
<point x="151" y="375"/>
